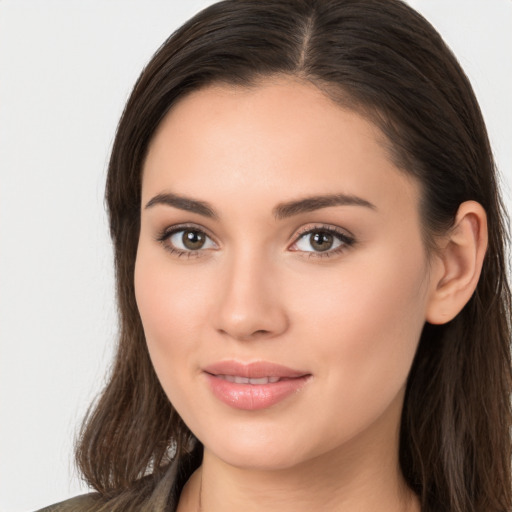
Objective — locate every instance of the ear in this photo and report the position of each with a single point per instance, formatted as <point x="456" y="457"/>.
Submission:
<point x="458" y="264"/>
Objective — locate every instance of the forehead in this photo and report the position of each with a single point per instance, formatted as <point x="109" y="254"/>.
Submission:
<point x="280" y="139"/>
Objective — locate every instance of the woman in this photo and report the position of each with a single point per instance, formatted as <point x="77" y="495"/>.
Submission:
<point x="312" y="287"/>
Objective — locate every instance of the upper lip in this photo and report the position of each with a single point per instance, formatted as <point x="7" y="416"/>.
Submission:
<point x="253" y="370"/>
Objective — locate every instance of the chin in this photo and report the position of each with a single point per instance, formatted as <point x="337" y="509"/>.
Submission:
<point x="257" y="459"/>
<point x="260" y="450"/>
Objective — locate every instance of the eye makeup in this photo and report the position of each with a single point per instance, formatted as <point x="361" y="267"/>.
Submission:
<point x="315" y="241"/>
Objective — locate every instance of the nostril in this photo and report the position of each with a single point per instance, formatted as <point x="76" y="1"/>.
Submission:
<point x="259" y="333"/>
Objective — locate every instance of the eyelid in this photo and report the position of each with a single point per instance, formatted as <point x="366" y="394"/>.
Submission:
<point x="164" y="235"/>
<point x="174" y="228"/>
<point x="324" y="227"/>
<point x="346" y="238"/>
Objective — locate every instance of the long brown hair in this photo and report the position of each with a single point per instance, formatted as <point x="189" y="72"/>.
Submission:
<point x="383" y="60"/>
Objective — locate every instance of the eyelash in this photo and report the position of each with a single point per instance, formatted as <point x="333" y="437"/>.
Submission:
<point x="164" y="236"/>
<point x="346" y="240"/>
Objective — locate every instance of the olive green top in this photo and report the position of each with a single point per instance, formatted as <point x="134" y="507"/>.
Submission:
<point x="77" y="504"/>
<point x="164" y="497"/>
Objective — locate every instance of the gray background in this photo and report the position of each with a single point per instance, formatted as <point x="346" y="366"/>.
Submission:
<point x="66" y="69"/>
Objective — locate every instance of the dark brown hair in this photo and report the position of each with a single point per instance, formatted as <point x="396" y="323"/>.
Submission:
<point x="383" y="60"/>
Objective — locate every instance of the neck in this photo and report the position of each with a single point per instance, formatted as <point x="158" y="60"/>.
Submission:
<point x="363" y="476"/>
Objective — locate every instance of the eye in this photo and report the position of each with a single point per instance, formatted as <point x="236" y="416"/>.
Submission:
<point x="322" y="241"/>
<point x="186" y="240"/>
<point x="190" y="240"/>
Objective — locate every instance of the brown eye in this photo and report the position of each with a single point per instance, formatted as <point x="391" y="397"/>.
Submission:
<point x="193" y="239"/>
<point x="187" y="240"/>
<point x="321" y="241"/>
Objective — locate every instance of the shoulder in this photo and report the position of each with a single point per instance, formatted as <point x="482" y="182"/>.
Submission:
<point x="82" y="503"/>
<point x="156" y="493"/>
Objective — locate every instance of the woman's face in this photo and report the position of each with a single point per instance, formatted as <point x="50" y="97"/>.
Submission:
<point x="280" y="244"/>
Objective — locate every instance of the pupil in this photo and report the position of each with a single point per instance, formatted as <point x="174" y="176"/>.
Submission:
<point x="193" y="239"/>
<point x="321" y="241"/>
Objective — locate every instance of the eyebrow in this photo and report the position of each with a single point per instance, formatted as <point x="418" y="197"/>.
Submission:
<point x="309" y="204"/>
<point x="281" y="211"/>
<point x="183" y="203"/>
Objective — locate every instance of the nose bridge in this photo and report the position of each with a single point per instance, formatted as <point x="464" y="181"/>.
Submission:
<point x="250" y="303"/>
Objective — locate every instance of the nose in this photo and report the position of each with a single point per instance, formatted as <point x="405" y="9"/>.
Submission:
<point x="250" y="304"/>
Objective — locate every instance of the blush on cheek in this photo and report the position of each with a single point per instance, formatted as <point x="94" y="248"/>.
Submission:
<point x="376" y="319"/>
<point x="171" y="305"/>
<point x="165" y="299"/>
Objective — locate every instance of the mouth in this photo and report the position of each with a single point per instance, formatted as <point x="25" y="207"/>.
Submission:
<point x="254" y="386"/>
<point x="246" y="380"/>
<point x="253" y="371"/>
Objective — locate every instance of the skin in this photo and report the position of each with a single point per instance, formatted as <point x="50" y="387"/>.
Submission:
<point x="258" y="291"/>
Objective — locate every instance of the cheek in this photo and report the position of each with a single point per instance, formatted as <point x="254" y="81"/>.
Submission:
<point x="171" y="305"/>
<point x="371" y="315"/>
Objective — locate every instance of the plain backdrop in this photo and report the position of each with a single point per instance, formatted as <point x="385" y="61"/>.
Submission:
<point x="66" y="69"/>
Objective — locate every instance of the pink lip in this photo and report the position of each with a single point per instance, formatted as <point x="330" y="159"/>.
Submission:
<point x="249" y="396"/>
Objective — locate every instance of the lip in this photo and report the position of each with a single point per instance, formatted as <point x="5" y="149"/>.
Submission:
<point x="253" y="396"/>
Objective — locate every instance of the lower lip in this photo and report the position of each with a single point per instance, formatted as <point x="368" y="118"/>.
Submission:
<point x="252" y="397"/>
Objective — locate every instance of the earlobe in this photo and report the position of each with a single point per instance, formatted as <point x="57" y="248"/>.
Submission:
<point x="459" y="264"/>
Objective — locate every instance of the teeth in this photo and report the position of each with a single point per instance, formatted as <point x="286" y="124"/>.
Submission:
<point x="262" y="380"/>
<point x="245" y="380"/>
